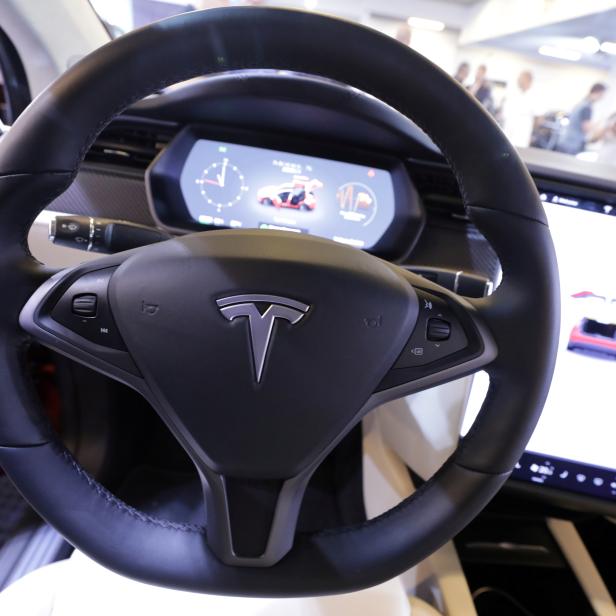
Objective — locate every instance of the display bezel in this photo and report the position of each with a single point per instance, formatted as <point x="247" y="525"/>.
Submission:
<point x="558" y="497"/>
<point x="169" y="210"/>
<point x="569" y="496"/>
<point x="556" y="487"/>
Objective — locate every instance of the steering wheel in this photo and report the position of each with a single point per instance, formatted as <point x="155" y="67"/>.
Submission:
<point x="261" y="350"/>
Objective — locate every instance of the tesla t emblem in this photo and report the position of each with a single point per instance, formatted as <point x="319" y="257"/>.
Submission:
<point x="261" y="322"/>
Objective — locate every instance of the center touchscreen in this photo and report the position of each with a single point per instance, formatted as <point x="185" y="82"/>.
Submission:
<point x="572" y="447"/>
<point x="239" y="186"/>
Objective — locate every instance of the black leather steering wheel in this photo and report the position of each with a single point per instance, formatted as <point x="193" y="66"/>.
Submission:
<point x="336" y="326"/>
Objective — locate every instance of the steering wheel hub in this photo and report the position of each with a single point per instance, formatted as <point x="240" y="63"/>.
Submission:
<point x="200" y="350"/>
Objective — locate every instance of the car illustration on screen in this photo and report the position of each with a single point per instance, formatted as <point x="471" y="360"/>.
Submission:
<point x="298" y="194"/>
<point x="595" y="332"/>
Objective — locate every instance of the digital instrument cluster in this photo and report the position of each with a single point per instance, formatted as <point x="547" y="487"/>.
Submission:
<point x="240" y="186"/>
<point x="200" y="183"/>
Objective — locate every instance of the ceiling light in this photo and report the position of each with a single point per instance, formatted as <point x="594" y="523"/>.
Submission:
<point x="560" y="52"/>
<point x="608" y="47"/>
<point x="590" y="45"/>
<point x="426" y="24"/>
<point x="311" y="4"/>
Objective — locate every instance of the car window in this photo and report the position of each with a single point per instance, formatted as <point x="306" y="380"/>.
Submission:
<point x="544" y="70"/>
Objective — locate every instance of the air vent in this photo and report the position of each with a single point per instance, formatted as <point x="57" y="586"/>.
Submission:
<point x="130" y="144"/>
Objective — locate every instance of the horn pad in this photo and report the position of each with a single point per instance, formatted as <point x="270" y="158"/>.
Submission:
<point x="257" y="342"/>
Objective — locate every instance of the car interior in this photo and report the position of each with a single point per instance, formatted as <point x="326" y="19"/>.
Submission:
<point x="306" y="307"/>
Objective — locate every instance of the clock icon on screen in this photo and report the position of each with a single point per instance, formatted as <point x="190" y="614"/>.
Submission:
<point x="222" y="184"/>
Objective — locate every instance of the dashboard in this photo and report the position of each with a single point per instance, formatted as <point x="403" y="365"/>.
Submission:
<point x="365" y="201"/>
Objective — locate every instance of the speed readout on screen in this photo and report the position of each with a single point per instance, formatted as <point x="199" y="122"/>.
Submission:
<point x="240" y="186"/>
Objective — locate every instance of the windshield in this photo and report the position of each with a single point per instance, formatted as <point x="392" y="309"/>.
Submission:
<point x="546" y="71"/>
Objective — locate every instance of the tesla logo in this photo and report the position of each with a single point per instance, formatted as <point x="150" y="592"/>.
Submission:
<point x="261" y="322"/>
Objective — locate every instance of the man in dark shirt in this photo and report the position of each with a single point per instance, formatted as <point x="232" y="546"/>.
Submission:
<point x="482" y="90"/>
<point x="464" y="70"/>
<point x="573" y="138"/>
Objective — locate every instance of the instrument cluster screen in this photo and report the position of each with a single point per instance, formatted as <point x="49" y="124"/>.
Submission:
<point x="240" y="186"/>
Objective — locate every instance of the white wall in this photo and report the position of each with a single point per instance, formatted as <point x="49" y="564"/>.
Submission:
<point x="454" y="15"/>
<point x="440" y="47"/>
<point x="50" y="36"/>
<point x="115" y="12"/>
<point x="494" y="18"/>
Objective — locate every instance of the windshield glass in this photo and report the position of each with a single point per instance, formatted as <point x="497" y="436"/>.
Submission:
<point x="546" y="71"/>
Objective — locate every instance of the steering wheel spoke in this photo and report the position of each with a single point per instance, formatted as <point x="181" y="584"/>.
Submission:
<point x="70" y="313"/>
<point x="252" y="522"/>
<point x="450" y="340"/>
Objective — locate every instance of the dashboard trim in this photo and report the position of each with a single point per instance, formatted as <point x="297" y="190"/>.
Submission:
<point x="565" y="499"/>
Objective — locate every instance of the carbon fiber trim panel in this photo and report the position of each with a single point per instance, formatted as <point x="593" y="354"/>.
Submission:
<point x="106" y="193"/>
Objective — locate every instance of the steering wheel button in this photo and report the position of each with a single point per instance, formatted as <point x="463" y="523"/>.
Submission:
<point x="437" y="335"/>
<point x="85" y="305"/>
<point x="438" y="330"/>
<point x="84" y="310"/>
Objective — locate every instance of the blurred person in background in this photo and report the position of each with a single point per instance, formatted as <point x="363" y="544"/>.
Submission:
<point x="481" y="89"/>
<point x="520" y="111"/>
<point x="573" y="138"/>
<point x="607" y="135"/>
<point x="464" y="70"/>
<point x="403" y="34"/>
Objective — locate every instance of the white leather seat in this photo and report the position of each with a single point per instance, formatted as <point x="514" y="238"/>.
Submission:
<point x="78" y="587"/>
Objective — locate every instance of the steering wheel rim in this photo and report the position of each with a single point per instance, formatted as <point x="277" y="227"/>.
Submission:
<point x="39" y="159"/>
